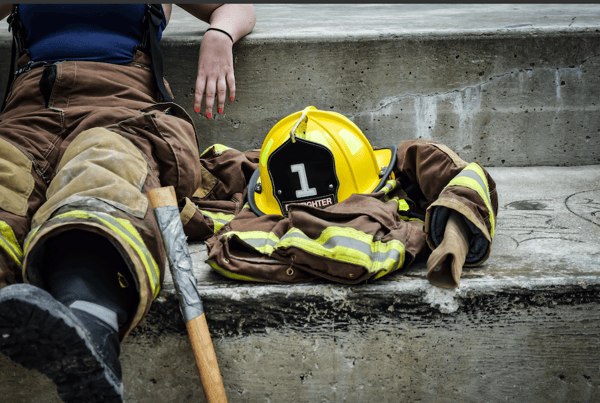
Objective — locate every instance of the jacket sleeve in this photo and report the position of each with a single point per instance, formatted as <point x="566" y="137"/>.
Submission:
<point x="437" y="181"/>
<point x="222" y="192"/>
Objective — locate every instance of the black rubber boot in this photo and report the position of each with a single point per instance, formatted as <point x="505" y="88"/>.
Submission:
<point x="41" y="333"/>
<point x="71" y="333"/>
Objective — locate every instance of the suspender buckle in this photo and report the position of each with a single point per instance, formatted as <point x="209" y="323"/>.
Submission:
<point x="30" y="66"/>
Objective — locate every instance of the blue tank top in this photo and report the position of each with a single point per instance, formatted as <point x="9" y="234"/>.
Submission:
<point x="94" y="32"/>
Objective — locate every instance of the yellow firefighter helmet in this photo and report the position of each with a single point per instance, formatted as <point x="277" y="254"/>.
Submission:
<point x="318" y="158"/>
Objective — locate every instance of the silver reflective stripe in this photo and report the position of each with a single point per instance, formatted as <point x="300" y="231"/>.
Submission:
<point x="376" y="256"/>
<point x="104" y="314"/>
<point x="354" y="244"/>
<point x="258" y="243"/>
<point x="475" y="176"/>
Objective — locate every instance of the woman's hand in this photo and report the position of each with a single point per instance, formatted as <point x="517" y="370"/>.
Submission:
<point x="215" y="63"/>
<point x="215" y="72"/>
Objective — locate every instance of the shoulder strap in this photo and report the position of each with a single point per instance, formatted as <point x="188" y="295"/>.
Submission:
<point x="14" y="24"/>
<point x="150" y="25"/>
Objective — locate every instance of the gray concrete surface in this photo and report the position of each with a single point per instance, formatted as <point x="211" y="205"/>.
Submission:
<point x="507" y="85"/>
<point x="522" y="327"/>
<point x="480" y="78"/>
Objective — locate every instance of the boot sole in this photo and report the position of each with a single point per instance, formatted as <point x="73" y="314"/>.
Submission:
<point x="40" y="333"/>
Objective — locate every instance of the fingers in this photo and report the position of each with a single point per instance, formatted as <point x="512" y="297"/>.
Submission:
<point x="209" y="100"/>
<point x="215" y="73"/>
<point x="211" y="91"/>
<point x="231" y="85"/>
<point x="198" y="92"/>
<point x="221" y="93"/>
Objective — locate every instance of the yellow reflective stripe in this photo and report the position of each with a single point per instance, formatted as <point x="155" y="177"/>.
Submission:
<point x="402" y="204"/>
<point x="349" y="245"/>
<point x="128" y="232"/>
<point x="264" y="242"/>
<point x="9" y="242"/>
<point x="30" y="237"/>
<point x="219" y="149"/>
<point x="405" y="218"/>
<point x="219" y="219"/>
<point x="389" y="185"/>
<point x="134" y="239"/>
<point x="231" y="275"/>
<point x="346" y="245"/>
<point x="478" y="183"/>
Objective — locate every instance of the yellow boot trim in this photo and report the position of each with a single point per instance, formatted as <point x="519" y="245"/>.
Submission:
<point x="263" y="242"/>
<point x="8" y="241"/>
<point x="126" y="231"/>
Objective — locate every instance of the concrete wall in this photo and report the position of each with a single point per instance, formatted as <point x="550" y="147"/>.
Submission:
<point x="506" y="86"/>
<point x="502" y="101"/>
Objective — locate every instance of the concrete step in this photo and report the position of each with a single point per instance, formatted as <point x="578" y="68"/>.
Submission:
<point x="507" y="85"/>
<point x="524" y="326"/>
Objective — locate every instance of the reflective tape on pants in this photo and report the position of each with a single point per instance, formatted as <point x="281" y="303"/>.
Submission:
<point x="124" y="229"/>
<point x="8" y="242"/>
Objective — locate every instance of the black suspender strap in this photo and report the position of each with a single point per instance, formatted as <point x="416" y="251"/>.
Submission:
<point x="151" y="24"/>
<point x="14" y="24"/>
<point x="11" y="74"/>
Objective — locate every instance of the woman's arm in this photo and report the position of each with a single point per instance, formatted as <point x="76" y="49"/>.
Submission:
<point x="215" y="65"/>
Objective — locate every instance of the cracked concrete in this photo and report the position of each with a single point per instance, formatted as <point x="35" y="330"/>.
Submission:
<point x="507" y="85"/>
<point x="466" y="102"/>
<point x="478" y="78"/>
<point x="478" y="94"/>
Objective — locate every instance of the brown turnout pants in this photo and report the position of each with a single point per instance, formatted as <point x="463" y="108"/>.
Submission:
<point x="81" y="143"/>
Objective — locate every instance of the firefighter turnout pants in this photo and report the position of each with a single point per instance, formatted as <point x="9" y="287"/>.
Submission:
<point x="81" y="143"/>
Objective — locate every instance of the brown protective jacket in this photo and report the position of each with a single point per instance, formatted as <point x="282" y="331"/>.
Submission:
<point x="363" y="237"/>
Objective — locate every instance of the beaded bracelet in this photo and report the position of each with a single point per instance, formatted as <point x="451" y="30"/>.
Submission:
<point x="220" y="30"/>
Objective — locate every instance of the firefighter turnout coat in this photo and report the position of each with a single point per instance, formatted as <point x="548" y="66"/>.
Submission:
<point x="366" y="236"/>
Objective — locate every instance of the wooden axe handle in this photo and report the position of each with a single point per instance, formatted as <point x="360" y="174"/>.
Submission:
<point x="204" y="352"/>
